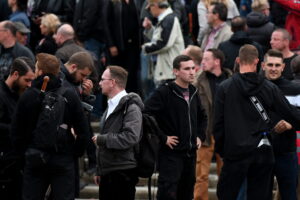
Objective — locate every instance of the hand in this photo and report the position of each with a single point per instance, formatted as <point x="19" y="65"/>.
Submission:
<point x="113" y="51"/>
<point x="172" y="141"/>
<point x="147" y="24"/>
<point x="94" y="138"/>
<point x="87" y="86"/>
<point x="282" y="126"/>
<point x="199" y="143"/>
<point x="97" y="180"/>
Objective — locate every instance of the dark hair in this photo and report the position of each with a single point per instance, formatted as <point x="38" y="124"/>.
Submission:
<point x="218" y="54"/>
<point x="83" y="60"/>
<point x="247" y="54"/>
<point x="11" y="27"/>
<point x="22" y="5"/>
<point x="295" y="65"/>
<point x="273" y="53"/>
<point x="22" y="65"/>
<point x="119" y="74"/>
<point x="220" y="9"/>
<point x="48" y="63"/>
<point x="181" y="58"/>
<point x="238" y="23"/>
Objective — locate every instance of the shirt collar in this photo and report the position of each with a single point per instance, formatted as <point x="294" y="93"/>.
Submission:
<point x="164" y="14"/>
<point x="116" y="99"/>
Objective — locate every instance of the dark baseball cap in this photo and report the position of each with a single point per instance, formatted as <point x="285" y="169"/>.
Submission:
<point x="21" y="27"/>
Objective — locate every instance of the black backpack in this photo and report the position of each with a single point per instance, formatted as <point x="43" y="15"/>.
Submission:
<point x="50" y="127"/>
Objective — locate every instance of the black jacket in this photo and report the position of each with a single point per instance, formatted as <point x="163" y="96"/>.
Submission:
<point x="8" y="102"/>
<point x="231" y="48"/>
<point x="286" y="141"/>
<point x="260" y="29"/>
<point x="27" y="112"/>
<point x="177" y="117"/>
<point x="89" y="20"/>
<point x="237" y="123"/>
<point x="47" y="46"/>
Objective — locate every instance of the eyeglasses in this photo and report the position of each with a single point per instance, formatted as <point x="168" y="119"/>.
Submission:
<point x="104" y="79"/>
<point x="274" y="64"/>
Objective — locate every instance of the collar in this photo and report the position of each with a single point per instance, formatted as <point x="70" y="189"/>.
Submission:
<point x="164" y="14"/>
<point x="218" y="27"/>
<point x="116" y="99"/>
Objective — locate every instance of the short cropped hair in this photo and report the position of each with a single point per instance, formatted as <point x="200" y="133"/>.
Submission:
<point x="273" y="53"/>
<point x="196" y="53"/>
<point x="221" y="9"/>
<point x="48" y="63"/>
<point x="119" y="74"/>
<point x="285" y="34"/>
<point x="22" y="65"/>
<point x="238" y="23"/>
<point x="83" y="60"/>
<point x="11" y="27"/>
<point x="247" y="54"/>
<point x="218" y="54"/>
<point x="295" y="65"/>
<point x="181" y="58"/>
<point x="260" y="5"/>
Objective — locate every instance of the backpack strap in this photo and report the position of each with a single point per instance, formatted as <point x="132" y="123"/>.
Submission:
<point x="260" y="109"/>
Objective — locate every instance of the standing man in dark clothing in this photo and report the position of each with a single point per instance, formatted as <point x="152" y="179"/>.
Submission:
<point x="59" y="170"/>
<point x="123" y="39"/>
<point x="20" y="78"/>
<point x="284" y="144"/>
<point x="179" y="114"/>
<point x="241" y="130"/>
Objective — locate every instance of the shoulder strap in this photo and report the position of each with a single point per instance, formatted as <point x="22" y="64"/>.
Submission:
<point x="260" y="109"/>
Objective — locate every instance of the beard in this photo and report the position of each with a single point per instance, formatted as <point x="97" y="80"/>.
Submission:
<point x="17" y="88"/>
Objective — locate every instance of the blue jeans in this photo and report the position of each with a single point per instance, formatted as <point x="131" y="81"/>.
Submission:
<point x="286" y="172"/>
<point x="148" y="85"/>
<point x="95" y="47"/>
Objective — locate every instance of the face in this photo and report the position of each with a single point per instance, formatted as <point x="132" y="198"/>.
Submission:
<point x="277" y="41"/>
<point x="208" y="62"/>
<point x="210" y="15"/>
<point x="80" y="75"/>
<point x="21" y="37"/>
<point x="273" y="68"/>
<point x="44" y="29"/>
<point x="186" y="73"/>
<point x="106" y="83"/>
<point x="11" y="2"/>
<point x="23" y="82"/>
<point x="154" y="9"/>
<point x="57" y="38"/>
<point x="3" y="33"/>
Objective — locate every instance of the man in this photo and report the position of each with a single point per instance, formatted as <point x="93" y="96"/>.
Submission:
<point x="241" y="131"/>
<point x="196" y="54"/>
<point x="284" y="144"/>
<point x="179" y="114"/>
<point x="58" y="171"/>
<point x="231" y="47"/>
<point x="218" y="30"/>
<point x="280" y="40"/>
<point x="19" y="79"/>
<point x="166" y="39"/>
<point x="207" y="83"/>
<point x="120" y="129"/>
<point x="22" y="33"/>
<point x="10" y="48"/>
<point x="64" y="39"/>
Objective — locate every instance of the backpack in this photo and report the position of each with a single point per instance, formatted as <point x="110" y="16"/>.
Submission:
<point x="50" y="127"/>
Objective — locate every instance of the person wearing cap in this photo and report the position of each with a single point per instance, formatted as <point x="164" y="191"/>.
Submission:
<point x="22" y="33"/>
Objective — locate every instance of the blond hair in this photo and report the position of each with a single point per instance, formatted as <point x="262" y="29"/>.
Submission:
<point x="260" y="5"/>
<point x="51" y="22"/>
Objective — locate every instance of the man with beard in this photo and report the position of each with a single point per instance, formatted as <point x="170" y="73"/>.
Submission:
<point x="19" y="79"/>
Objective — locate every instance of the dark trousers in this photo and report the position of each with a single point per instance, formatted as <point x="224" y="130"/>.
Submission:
<point x="286" y="170"/>
<point x="118" y="185"/>
<point x="176" y="175"/>
<point x="58" y="172"/>
<point x="256" y="167"/>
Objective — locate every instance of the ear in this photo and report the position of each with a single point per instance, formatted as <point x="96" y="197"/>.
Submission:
<point x="263" y="66"/>
<point x="237" y="60"/>
<point x="175" y="71"/>
<point x="283" y="66"/>
<point x="73" y="68"/>
<point x="15" y="74"/>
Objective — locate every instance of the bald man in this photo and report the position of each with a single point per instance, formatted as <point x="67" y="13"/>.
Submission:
<point x="64" y="38"/>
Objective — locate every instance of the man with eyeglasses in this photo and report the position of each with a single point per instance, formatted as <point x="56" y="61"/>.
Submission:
<point x="10" y="48"/>
<point x="284" y="144"/>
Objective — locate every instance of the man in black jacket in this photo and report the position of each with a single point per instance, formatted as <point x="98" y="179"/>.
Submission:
<point x="179" y="114"/>
<point x="20" y="78"/>
<point x="241" y="130"/>
<point x="58" y="171"/>
<point x="286" y="161"/>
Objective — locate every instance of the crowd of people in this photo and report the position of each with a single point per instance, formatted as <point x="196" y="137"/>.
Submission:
<point x="220" y="77"/>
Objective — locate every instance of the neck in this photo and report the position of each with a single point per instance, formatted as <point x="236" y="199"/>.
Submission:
<point x="9" y="82"/>
<point x="114" y="92"/>
<point x="181" y="84"/>
<point x="217" y="24"/>
<point x="287" y="53"/>
<point x="9" y="43"/>
<point x="217" y="71"/>
<point x="245" y="68"/>
<point x="14" y="8"/>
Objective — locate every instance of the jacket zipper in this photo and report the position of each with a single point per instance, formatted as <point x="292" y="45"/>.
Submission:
<point x="188" y="104"/>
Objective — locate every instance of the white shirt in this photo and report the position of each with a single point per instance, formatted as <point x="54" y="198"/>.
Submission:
<point x="113" y="102"/>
